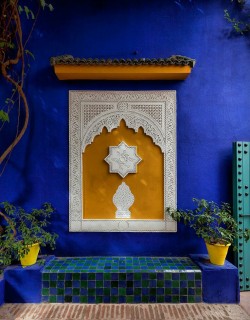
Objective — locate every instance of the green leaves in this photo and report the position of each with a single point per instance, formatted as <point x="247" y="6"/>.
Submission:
<point x="29" y="53"/>
<point x="240" y="26"/>
<point x="4" y="117"/>
<point x="6" y="44"/>
<point x="212" y="222"/>
<point x="44" y="4"/>
<point x="31" y="228"/>
<point x="29" y="13"/>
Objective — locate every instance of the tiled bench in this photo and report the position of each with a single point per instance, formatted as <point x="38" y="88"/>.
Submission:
<point x="121" y="280"/>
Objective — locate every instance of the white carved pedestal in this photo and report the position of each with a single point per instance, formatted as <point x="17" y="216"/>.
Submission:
<point x="123" y="200"/>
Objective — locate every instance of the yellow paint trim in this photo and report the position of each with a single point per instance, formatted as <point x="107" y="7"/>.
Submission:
<point x="147" y="185"/>
<point x="99" y="72"/>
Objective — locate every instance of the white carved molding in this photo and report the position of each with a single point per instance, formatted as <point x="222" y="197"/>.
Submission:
<point x="122" y="159"/>
<point x="89" y="113"/>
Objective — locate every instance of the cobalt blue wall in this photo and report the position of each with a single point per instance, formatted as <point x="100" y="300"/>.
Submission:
<point x="213" y="108"/>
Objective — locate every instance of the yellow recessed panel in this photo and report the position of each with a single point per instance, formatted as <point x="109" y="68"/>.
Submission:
<point x="99" y="185"/>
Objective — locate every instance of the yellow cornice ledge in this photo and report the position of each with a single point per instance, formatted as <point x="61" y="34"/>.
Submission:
<point x="96" y="72"/>
<point x="173" y="68"/>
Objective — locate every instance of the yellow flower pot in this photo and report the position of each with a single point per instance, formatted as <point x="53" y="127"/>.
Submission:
<point x="31" y="257"/>
<point x="217" y="253"/>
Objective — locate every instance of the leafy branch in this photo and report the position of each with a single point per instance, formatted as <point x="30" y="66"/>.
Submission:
<point x="23" y="229"/>
<point x="240" y="25"/>
<point x="13" y="65"/>
<point x="212" y="222"/>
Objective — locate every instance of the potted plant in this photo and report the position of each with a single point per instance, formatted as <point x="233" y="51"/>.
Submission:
<point x="24" y="233"/>
<point x="214" y="223"/>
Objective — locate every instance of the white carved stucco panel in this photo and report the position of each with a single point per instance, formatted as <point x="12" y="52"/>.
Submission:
<point x="89" y="113"/>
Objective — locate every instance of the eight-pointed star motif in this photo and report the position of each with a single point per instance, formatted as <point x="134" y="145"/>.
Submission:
<point x="122" y="159"/>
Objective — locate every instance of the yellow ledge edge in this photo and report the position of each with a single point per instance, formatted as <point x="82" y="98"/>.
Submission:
<point x="99" y="72"/>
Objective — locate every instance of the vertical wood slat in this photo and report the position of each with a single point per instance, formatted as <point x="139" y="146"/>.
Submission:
<point x="241" y="208"/>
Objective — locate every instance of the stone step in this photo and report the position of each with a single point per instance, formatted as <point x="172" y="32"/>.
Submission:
<point x="122" y="280"/>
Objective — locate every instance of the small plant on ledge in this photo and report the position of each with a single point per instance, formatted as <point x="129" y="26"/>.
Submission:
<point x="212" y="222"/>
<point x="24" y="233"/>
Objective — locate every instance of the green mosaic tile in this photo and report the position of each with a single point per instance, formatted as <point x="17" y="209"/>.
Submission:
<point x="168" y="291"/>
<point x="107" y="276"/>
<point x="109" y="264"/>
<point x="145" y="299"/>
<point x="76" y="276"/>
<point x="198" y="291"/>
<point x="84" y="284"/>
<point x="175" y="284"/>
<point x="122" y="291"/>
<point x="121" y="279"/>
<point x="52" y="299"/>
<point x="160" y="299"/>
<point x="106" y="291"/>
<point x="191" y="299"/>
<point x="167" y="276"/>
<point x="175" y="299"/>
<point x="122" y="276"/>
<point x="83" y="299"/>
<point x="99" y="299"/>
<point x="91" y="276"/>
<point x="129" y="299"/>
<point x="137" y="291"/>
<point x="152" y="291"/>
<point x="137" y="276"/>
<point x="145" y="283"/>
<point x="45" y="291"/>
<point x="160" y="283"/>
<point x="68" y="284"/>
<point x="68" y="299"/>
<point x="60" y="276"/>
<point x="52" y="284"/>
<point x="45" y="276"/>
<point x="114" y="299"/>
<point x="183" y="276"/>
<point x="76" y="291"/>
<point x="91" y="291"/>
<point x="197" y="275"/>
<point x="99" y="284"/>
<point x="60" y="291"/>
<point x="183" y="291"/>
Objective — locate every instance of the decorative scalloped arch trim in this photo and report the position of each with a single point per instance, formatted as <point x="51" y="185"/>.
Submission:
<point x="111" y="120"/>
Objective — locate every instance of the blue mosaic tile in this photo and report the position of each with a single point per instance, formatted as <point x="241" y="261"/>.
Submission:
<point x="121" y="280"/>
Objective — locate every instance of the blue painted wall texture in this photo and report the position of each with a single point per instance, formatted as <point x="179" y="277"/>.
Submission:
<point x="212" y="108"/>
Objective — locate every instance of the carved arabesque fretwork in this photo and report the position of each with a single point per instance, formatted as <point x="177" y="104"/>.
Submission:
<point x="89" y="113"/>
<point x="134" y="120"/>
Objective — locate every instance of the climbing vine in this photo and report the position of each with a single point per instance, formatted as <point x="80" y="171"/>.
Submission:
<point x="14" y="64"/>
